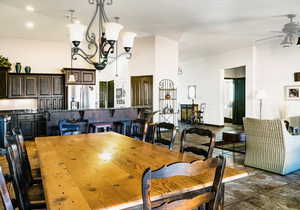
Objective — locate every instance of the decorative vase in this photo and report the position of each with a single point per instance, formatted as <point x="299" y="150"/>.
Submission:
<point x="27" y="69"/>
<point x="18" y="67"/>
<point x="167" y="96"/>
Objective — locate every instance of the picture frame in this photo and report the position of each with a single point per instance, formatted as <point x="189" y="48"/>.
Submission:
<point x="292" y="92"/>
<point x="192" y="94"/>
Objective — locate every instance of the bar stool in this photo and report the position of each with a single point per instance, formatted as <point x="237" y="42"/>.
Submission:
<point x="101" y="127"/>
<point x="123" y="127"/>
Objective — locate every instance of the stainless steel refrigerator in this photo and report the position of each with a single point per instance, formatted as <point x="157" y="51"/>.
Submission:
<point x="82" y="97"/>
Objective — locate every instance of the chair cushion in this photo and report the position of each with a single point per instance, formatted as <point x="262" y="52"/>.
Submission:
<point x="70" y="128"/>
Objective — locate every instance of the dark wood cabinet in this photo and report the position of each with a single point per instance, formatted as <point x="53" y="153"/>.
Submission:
<point x="27" y="125"/>
<point x="45" y="103"/>
<point x="16" y="86"/>
<point x="82" y="76"/>
<point x="30" y="86"/>
<point x="88" y="77"/>
<point x="57" y="103"/>
<point x="3" y="83"/>
<point x="45" y="86"/>
<point x="58" y="85"/>
<point x="187" y="111"/>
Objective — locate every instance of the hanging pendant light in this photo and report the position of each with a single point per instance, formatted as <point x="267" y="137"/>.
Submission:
<point x="108" y="36"/>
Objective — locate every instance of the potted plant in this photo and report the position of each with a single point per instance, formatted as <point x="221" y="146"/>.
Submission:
<point x="4" y="63"/>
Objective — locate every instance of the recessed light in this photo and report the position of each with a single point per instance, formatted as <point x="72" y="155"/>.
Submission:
<point x="77" y="21"/>
<point x="29" y="25"/>
<point x="29" y="8"/>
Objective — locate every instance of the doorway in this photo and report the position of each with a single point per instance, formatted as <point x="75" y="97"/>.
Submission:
<point x="107" y="94"/>
<point x="234" y="95"/>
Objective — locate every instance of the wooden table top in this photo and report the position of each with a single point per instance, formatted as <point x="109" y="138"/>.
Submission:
<point x="96" y="171"/>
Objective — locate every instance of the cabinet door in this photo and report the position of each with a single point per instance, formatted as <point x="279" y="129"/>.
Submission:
<point x="16" y="86"/>
<point x="77" y="75"/>
<point x="30" y="86"/>
<point x="58" y="85"/>
<point x="41" y="125"/>
<point x="3" y="84"/>
<point x="27" y="125"/>
<point x="58" y="103"/>
<point x="45" y="86"/>
<point x="45" y="103"/>
<point x="88" y="77"/>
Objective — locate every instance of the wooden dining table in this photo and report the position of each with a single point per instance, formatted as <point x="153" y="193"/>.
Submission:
<point x="104" y="171"/>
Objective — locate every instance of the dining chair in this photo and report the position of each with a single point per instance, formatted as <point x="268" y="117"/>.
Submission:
<point x="166" y="129"/>
<point x="196" y="150"/>
<point x="139" y="129"/>
<point x="18" y="139"/>
<point x="27" y="197"/>
<point x="212" y="198"/>
<point x="8" y="203"/>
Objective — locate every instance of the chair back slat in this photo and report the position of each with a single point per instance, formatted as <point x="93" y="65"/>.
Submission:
<point x="211" y="198"/>
<point x="158" y="137"/>
<point x="15" y="171"/>
<point x="7" y="203"/>
<point x="187" y="204"/>
<point x="196" y="150"/>
<point x="184" y="169"/>
<point x="139" y="129"/>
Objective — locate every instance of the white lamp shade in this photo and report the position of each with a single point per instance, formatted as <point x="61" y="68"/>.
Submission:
<point x="128" y="39"/>
<point x="77" y="31"/>
<point x="261" y="94"/>
<point x="112" y="31"/>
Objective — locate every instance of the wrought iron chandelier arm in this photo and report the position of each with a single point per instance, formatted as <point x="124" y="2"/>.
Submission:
<point x="129" y="56"/>
<point x="81" y="53"/>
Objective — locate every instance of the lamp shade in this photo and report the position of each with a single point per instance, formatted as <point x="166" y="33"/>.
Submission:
<point x="112" y="31"/>
<point x="128" y="39"/>
<point x="76" y="31"/>
<point x="261" y="94"/>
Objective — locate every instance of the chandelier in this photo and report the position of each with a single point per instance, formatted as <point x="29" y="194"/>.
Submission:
<point x="108" y="37"/>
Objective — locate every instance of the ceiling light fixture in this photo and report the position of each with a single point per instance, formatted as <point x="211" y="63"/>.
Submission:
<point x="29" y="25"/>
<point x="108" y="36"/>
<point x="29" y="8"/>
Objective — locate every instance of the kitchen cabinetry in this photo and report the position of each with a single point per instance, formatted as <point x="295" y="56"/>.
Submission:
<point x="48" y="89"/>
<point x="3" y="82"/>
<point x="82" y="76"/>
<point x="30" y="86"/>
<point x="16" y="86"/>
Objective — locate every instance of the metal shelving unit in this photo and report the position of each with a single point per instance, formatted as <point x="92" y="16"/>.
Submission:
<point x="167" y="101"/>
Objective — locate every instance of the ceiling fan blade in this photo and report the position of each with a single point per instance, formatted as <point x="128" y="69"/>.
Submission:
<point x="281" y="32"/>
<point x="269" y="38"/>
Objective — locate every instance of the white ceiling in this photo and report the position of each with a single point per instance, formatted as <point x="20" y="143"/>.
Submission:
<point x="202" y="27"/>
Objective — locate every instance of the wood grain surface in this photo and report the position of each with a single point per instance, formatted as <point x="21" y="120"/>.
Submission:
<point x="103" y="171"/>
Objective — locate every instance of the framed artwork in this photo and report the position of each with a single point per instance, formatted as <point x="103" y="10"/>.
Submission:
<point x="292" y="93"/>
<point x="192" y="91"/>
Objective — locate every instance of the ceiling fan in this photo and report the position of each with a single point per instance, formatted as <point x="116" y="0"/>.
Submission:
<point x="290" y="32"/>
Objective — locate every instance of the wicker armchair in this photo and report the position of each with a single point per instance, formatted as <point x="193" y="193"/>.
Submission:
<point x="271" y="147"/>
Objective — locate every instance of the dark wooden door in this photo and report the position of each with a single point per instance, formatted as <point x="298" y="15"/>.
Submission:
<point x="111" y="94"/>
<point x="142" y="91"/>
<point x="239" y="101"/>
<point x="58" y="85"/>
<point x="103" y="94"/>
<point x="16" y="86"/>
<point x="88" y="77"/>
<point x="45" y="103"/>
<point x="31" y="86"/>
<point x="45" y="86"/>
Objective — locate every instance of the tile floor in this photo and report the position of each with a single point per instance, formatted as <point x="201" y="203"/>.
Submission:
<point x="260" y="190"/>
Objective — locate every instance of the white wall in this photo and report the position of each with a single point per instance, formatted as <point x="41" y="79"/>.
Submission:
<point x="208" y="74"/>
<point x="275" y="67"/>
<point x="41" y="56"/>
<point x="268" y="66"/>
